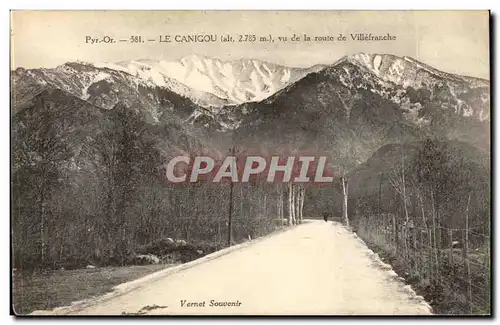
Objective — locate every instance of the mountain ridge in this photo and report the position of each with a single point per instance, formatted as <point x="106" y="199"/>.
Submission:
<point x="353" y="102"/>
<point x="234" y="81"/>
<point x="422" y="93"/>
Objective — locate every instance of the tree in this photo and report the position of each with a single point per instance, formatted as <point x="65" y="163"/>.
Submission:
<point x="128" y="159"/>
<point x="42" y="148"/>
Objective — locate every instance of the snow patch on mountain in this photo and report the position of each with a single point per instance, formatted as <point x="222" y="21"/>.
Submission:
<point x="406" y="71"/>
<point x="99" y="76"/>
<point x="232" y="82"/>
<point x="157" y="74"/>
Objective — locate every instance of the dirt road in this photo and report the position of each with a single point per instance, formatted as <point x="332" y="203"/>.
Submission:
<point x="316" y="268"/>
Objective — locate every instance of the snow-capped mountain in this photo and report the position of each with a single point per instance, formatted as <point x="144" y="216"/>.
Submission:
<point x="80" y="79"/>
<point x="232" y="82"/>
<point x="219" y="94"/>
<point x="466" y="96"/>
<point x="347" y="110"/>
<point x="406" y="71"/>
<point x="207" y="82"/>
<point x="404" y="81"/>
<point x="371" y="100"/>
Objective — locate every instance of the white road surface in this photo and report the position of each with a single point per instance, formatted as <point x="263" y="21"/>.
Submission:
<point x="316" y="268"/>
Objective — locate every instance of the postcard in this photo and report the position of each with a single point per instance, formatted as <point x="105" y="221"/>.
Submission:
<point x="318" y="163"/>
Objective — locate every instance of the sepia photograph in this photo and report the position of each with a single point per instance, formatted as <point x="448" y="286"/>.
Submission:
<point x="250" y="163"/>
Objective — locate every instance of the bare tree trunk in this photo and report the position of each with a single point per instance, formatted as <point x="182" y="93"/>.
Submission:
<point x="281" y="212"/>
<point x="290" y="205"/>
<point x="466" y="257"/>
<point x="219" y="235"/>
<point x="301" y="205"/>
<point x="414" y="251"/>
<point x="297" y="205"/>
<point x="281" y="206"/>
<point x="302" y="197"/>
<point x="429" y="235"/>
<point x="405" y="208"/>
<point x="42" y="224"/>
<point x="394" y="232"/>
<point x="434" y="242"/>
<point x="282" y="203"/>
<point x="278" y="207"/>
<point x="345" y="191"/>
<point x="42" y="237"/>
<point x="380" y="194"/>
<point x="265" y="204"/>
<point x="407" y="218"/>
<point x="450" y="253"/>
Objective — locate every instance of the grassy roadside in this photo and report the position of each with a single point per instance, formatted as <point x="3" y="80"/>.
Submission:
<point x="449" y="300"/>
<point x="57" y="288"/>
<point x="60" y="288"/>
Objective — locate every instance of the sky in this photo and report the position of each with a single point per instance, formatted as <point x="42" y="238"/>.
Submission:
<point x="452" y="41"/>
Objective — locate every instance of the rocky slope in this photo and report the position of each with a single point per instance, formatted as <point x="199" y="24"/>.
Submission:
<point x="362" y="102"/>
<point x="218" y="82"/>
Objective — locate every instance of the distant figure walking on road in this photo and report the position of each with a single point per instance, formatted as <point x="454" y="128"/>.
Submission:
<point x="325" y="217"/>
